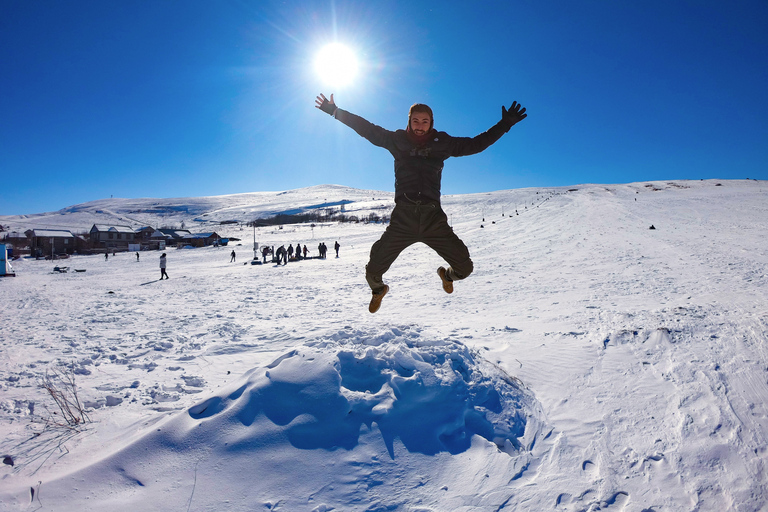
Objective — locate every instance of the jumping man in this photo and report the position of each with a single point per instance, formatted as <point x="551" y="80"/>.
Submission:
<point x="419" y="153"/>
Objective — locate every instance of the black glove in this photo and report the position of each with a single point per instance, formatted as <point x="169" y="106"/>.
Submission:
<point x="329" y="107"/>
<point x="514" y="115"/>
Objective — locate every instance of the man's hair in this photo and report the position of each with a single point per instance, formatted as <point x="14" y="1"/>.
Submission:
<point x="420" y="107"/>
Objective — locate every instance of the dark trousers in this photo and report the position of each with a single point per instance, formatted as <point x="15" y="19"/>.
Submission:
<point x="413" y="222"/>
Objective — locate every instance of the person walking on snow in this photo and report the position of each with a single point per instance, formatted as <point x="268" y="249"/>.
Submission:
<point x="336" y="246"/>
<point x="232" y="256"/>
<point x="419" y="152"/>
<point x="162" y="267"/>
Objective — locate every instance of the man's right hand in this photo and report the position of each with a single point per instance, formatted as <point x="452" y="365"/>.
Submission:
<point x="329" y="107"/>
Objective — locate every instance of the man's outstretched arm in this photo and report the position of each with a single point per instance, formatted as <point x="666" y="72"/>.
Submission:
<point x="376" y="135"/>
<point x="463" y="146"/>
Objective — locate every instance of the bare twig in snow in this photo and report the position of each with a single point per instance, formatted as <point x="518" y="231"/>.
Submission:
<point x="63" y="389"/>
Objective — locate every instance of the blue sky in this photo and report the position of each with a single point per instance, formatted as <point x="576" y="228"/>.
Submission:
<point x="147" y="98"/>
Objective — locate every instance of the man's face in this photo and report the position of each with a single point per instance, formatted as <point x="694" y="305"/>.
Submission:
<point x="420" y="122"/>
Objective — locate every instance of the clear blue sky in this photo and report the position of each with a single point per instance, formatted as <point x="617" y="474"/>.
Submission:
<point x="148" y="98"/>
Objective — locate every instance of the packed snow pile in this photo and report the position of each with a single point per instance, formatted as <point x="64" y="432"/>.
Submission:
<point x="432" y="397"/>
<point x="356" y="402"/>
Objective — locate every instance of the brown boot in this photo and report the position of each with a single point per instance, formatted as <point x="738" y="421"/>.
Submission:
<point x="447" y="283"/>
<point x="376" y="300"/>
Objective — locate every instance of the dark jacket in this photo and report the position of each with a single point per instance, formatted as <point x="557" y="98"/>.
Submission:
<point x="419" y="168"/>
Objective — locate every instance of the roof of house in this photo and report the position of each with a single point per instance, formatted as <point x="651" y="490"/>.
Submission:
<point x="176" y="233"/>
<point x="115" y="229"/>
<point x="52" y="233"/>
<point x="200" y="235"/>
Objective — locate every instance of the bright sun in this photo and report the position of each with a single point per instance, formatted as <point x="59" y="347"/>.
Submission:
<point x="336" y="64"/>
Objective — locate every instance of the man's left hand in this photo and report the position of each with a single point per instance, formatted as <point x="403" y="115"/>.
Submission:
<point x="514" y="115"/>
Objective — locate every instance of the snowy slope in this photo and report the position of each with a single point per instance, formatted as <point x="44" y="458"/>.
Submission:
<point x="200" y="214"/>
<point x="589" y="363"/>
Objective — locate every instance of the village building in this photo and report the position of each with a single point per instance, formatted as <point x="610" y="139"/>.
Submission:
<point x="159" y="240"/>
<point x="144" y="235"/>
<point x="17" y="243"/>
<point x="112" y="237"/>
<point x="172" y="236"/>
<point x="202" y="239"/>
<point x="51" y="243"/>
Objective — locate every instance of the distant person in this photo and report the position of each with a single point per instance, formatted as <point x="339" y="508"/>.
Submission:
<point x="265" y="253"/>
<point x="137" y="256"/>
<point x="106" y="256"/>
<point x="419" y="152"/>
<point x="163" y="273"/>
<point x="305" y="251"/>
<point x="233" y="256"/>
<point x="290" y="251"/>
<point x="336" y="246"/>
<point x="298" y="251"/>
<point x="281" y="255"/>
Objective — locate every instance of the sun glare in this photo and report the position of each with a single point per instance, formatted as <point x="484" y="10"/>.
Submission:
<point x="336" y="65"/>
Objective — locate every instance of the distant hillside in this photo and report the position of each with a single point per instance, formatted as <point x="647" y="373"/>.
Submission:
<point x="204" y="213"/>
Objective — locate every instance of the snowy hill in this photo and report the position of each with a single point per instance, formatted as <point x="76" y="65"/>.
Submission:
<point x="202" y="213"/>
<point x="589" y="363"/>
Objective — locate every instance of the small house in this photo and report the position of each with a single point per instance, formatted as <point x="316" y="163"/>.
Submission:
<point x="17" y="243"/>
<point x="50" y="243"/>
<point x="144" y="235"/>
<point x="201" y="239"/>
<point x="172" y="236"/>
<point x="112" y="237"/>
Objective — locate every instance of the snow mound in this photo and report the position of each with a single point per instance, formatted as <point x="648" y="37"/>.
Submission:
<point x="359" y="420"/>
<point x="432" y="396"/>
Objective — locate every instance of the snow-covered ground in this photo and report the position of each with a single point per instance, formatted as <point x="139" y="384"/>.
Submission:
<point x="589" y="363"/>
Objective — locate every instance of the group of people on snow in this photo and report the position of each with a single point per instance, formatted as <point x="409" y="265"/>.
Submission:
<point x="283" y="254"/>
